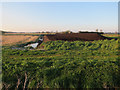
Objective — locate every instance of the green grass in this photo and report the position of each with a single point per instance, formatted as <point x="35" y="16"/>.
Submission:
<point x="64" y="65"/>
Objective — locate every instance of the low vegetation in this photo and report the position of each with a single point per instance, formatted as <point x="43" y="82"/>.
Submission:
<point x="112" y="35"/>
<point x="63" y="64"/>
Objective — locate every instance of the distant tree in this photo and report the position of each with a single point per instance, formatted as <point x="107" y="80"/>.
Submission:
<point x="100" y="30"/>
<point x="83" y="32"/>
<point x="47" y="32"/>
<point x="96" y="30"/>
<point x="115" y="32"/>
<point x="2" y="32"/>
<point x="68" y="31"/>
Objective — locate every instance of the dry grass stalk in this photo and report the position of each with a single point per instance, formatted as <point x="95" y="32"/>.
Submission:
<point x="14" y="39"/>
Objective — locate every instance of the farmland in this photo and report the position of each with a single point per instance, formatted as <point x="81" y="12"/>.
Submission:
<point x="112" y="35"/>
<point x="16" y="39"/>
<point x="63" y="64"/>
<point x="30" y="34"/>
<point x="60" y="45"/>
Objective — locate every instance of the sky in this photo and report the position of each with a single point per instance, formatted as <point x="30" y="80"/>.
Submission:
<point x="59" y="16"/>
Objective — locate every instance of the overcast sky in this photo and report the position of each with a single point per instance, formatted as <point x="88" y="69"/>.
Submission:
<point x="59" y="16"/>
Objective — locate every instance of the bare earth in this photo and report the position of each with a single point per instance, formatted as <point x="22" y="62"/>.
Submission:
<point x="14" y="39"/>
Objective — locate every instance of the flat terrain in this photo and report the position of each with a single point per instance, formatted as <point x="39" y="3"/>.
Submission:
<point x="19" y="38"/>
<point x="35" y="34"/>
<point x="14" y="39"/>
<point x="111" y="35"/>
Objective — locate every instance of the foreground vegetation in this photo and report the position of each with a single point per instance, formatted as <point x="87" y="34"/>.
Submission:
<point x="63" y="64"/>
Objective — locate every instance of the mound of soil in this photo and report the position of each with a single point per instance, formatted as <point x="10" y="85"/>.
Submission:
<point x="75" y="37"/>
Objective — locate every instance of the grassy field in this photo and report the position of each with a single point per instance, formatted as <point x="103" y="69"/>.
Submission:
<point x="112" y="35"/>
<point x="15" y="39"/>
<point x="63" y="64"/>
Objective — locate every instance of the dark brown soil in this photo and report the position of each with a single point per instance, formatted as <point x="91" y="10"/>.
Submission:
<point x="75" y="37"/>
